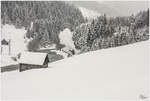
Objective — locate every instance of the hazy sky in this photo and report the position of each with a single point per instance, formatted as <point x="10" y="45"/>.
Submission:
<point x="128" y="7"/>
<point x="114" y="8"/>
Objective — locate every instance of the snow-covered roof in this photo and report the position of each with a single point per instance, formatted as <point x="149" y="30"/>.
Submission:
<point x="34" y="58"/>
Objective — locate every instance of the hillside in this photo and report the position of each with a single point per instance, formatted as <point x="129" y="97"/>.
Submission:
<point x="89" y="14"/>
<point x="127" y="8"/>
<point x="115" y="73"/>
<point x="47" y="18"/>
<point x="113" y="8"/>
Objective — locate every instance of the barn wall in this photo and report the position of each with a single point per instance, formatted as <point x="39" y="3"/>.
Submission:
<point x="23" y="67"/>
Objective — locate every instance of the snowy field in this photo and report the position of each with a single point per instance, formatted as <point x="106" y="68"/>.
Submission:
<point x="111" y="74"/>
<point x="6" y="60"/>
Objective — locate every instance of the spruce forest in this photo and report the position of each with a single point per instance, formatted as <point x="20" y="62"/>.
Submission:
<point x="49" y="18"/>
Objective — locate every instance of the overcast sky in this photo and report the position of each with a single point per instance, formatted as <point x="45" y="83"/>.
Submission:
<point x="114" y="8"/>
<point x="128" y="7"/>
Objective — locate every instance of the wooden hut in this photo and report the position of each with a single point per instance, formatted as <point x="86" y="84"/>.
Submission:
<point x="33" y="60"/>
<point x="4" y="42"/>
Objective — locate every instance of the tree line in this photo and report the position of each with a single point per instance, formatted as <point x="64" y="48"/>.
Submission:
<point x="104" y="32"/>
<point x="48" y="17"/>
<point x="51" y="17"/>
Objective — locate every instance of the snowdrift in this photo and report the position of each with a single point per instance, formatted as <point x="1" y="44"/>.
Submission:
<point x="113" y="74"/>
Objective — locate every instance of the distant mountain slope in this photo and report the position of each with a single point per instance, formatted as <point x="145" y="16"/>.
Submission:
<point x="113" y="8"/>
<point x="111" y="74"/>
<point x="128" y="7"/>
<point x="83" y="6"/>
<point x="89" y="14"/>
<point x="97" y="7"/>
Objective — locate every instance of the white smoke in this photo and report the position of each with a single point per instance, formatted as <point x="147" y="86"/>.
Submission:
<point x="66" y="38"/>
<point x="16" y="37"/>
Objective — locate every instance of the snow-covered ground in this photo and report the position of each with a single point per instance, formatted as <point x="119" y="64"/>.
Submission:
<point x="65" y="55"/>
<point x="57" y="51"/>
<point x="6" y="60"/>
<point x="112" y="74"/>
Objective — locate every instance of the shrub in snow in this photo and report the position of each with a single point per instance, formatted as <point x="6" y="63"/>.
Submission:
<point x="33" y="45"/>
<point x="14" y="58"/>
<point x="96" y="44"/>
<point x="60" y="46"/>
<point x="53" y="56"/>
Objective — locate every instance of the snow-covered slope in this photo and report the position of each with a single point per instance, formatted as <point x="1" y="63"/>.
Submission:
<point x="6" y="60"/>
<point x="112" y="74"/>
<point x="89" y="14"/>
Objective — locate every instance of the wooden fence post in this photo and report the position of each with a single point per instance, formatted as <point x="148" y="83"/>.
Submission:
<point x="20" y="69"/>
<point x="9" y="45"/>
